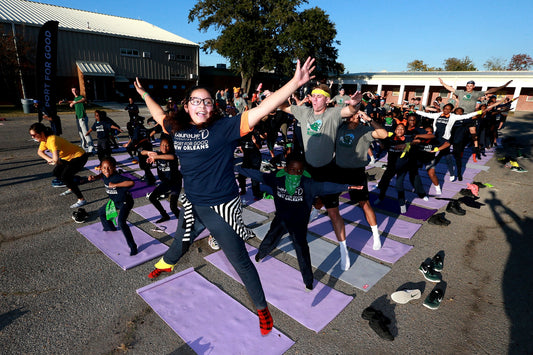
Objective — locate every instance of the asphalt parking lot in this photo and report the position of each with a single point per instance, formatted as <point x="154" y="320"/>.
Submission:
<point x="61" y="295"/>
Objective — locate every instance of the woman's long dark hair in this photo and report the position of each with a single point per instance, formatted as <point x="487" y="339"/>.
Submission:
<point x="181" y="120"/>
<point x="39" y="128"/>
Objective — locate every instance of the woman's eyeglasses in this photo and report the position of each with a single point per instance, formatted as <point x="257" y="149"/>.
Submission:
<point x="196" y="101"/>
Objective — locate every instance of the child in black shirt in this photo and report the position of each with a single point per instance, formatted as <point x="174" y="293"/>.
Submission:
<point x="117" y="187"/>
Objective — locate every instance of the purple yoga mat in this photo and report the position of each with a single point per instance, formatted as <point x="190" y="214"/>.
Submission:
<point x="207" y="319"/>
<point x="113" y="244"/>
<point x="361" y="240"/>
<point x="141" y="188"/>
<point x="263" y="204"/>
<point x="391" y="205"/>
<point x="388" y="224"/>
<point x="92" y="164"/>
<point x="151" y="214"/>
<point x="413" y="199"/>
<point x="285" y="290"/>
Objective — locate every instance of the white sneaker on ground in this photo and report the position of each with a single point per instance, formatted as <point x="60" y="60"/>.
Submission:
<point x="213" y="243"/>
<point x="438" y="190"/>
<point x="79" y="204"/>
<point x="425" y="198"/>
<point x="403" y="209"/>
<point x="452" y="178"/>
<point x="65" y="193"/>
<point x="405" y="296"/>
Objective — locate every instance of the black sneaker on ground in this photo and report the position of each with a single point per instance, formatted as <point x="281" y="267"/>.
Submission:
<point x="467" y="193"/>
<point x="428" y="272"/>
<point x="436" y="220"/>
<point x="378" y="322"/>
<point x="455" y="208"/>
<point x="443" y="219"/>
<point x="434" y="299"/>
<point x="437" y="263"/>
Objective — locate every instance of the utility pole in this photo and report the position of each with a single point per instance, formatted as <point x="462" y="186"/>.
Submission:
<point x="18" y="60"/>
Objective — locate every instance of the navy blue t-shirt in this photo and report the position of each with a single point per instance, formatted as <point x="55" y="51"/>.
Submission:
<point x="102" y="129"/>
<point x="168" y="170"/>
<point x="206" y="158"/>
<point x="117" y="194"/>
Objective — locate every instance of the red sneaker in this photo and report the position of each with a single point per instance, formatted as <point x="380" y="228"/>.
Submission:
<point x="265" y="321"/>
<point x="156" y="272"/>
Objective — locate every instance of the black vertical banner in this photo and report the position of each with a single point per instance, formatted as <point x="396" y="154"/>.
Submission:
<point x="47" y="68"/>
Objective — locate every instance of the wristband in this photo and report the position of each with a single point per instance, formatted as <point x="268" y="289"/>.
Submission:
<point x="144" y="95"/>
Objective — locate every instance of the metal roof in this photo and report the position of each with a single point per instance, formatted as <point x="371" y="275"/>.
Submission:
<point x="34" y="13"/>
<point x="95" y="68"/>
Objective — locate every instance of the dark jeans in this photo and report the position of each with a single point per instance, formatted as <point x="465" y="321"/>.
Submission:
<point x="123" y="214"/>
<point x="231" y="244"/>
<point x="66" y="170"/>
<point x="174" y="194"/>
<point x="299" y="241"/>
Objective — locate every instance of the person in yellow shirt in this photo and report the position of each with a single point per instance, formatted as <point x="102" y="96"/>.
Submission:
<point x="67" y="158"/>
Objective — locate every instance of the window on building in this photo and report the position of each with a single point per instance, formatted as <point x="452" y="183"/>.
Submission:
<point x="396" y="93"/>
<point x="529" y="99"/>
<point x="128" y="52"/>
<point x="443" y="93"/>
<point x="419" y="92"/>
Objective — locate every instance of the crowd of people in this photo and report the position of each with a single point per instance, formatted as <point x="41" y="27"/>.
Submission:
<point x="334" y="138"/>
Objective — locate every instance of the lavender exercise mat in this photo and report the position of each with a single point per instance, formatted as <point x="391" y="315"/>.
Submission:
<point x="151" y="214"/>
<point x="361" y="240"/>
<point x="284" y="289"/>
<point x="391" y="205"/>
<point x="207" y="319"/>
<point x="265" y="205"/>
<point x="141" y="188"/>
<point x="113" y="244"/>
<point x="387" y="224"/>
<point x="413" y="199"/>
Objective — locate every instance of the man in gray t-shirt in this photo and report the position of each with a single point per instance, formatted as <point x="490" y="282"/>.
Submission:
<point x="353" y="141"/>
<point x="319" y="126"/>
<point x="341" y="99"/>
<point x="468" y="97"/>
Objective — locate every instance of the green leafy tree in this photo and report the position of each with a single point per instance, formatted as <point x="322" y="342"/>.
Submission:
<point x="419" y="65"/>
<point x="520" y="62"/>
<point x="267" y="34"/>
<point x="495" y="64"/>
<point x="455" y="64"/>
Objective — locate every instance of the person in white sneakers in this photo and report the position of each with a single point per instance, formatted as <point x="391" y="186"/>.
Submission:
<point x="351" y="146"/>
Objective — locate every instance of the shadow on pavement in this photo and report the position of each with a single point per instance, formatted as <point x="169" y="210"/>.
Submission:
<point x="517" y="285"/>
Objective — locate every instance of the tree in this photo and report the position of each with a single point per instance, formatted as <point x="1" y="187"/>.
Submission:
<point x="267" y="34"/>
<point x="494" y="64"/>
<point x="419" y="65"/>
<point x="520" y="62"/>
<point x="455" y="64"/>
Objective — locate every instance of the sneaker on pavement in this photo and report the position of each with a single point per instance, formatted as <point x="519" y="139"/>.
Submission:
<point x="65" y="193"/>
<point x="434" y="299"/>
<point x="156" y="272"/>
<point x="58" y="184"/>
<point x="452" y="178"/>
<point x="429" y="273"/>
<point x="518" y="169"/>
<point x="405" y="296"/>
<point x="79" y="204"/>
<point x="213" y="243"/>
<point x="403" y="209"/>
<point x="437" y="263"/>
<point x="455" y="208"/>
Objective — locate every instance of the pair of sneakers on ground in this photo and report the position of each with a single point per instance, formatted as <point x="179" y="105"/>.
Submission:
<point x="430" y="271"/>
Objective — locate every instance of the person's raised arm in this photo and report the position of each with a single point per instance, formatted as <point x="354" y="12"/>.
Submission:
<point x="493" y="90"/>
<point x="155" y="110"/>
<point x="353" y="105"/>
<point x="302" y="75"/>
<point x="446" y="86"/>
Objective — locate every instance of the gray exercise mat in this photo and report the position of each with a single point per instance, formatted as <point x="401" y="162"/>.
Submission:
<point x="325" y="256"/>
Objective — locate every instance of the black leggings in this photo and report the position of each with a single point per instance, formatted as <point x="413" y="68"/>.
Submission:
<point x="65" y="171"/>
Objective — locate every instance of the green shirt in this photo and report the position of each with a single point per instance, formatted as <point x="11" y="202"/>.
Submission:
<point x="80" y="107"/>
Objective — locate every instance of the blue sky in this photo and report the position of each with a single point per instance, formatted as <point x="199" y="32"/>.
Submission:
<point x="375" y="35"/>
